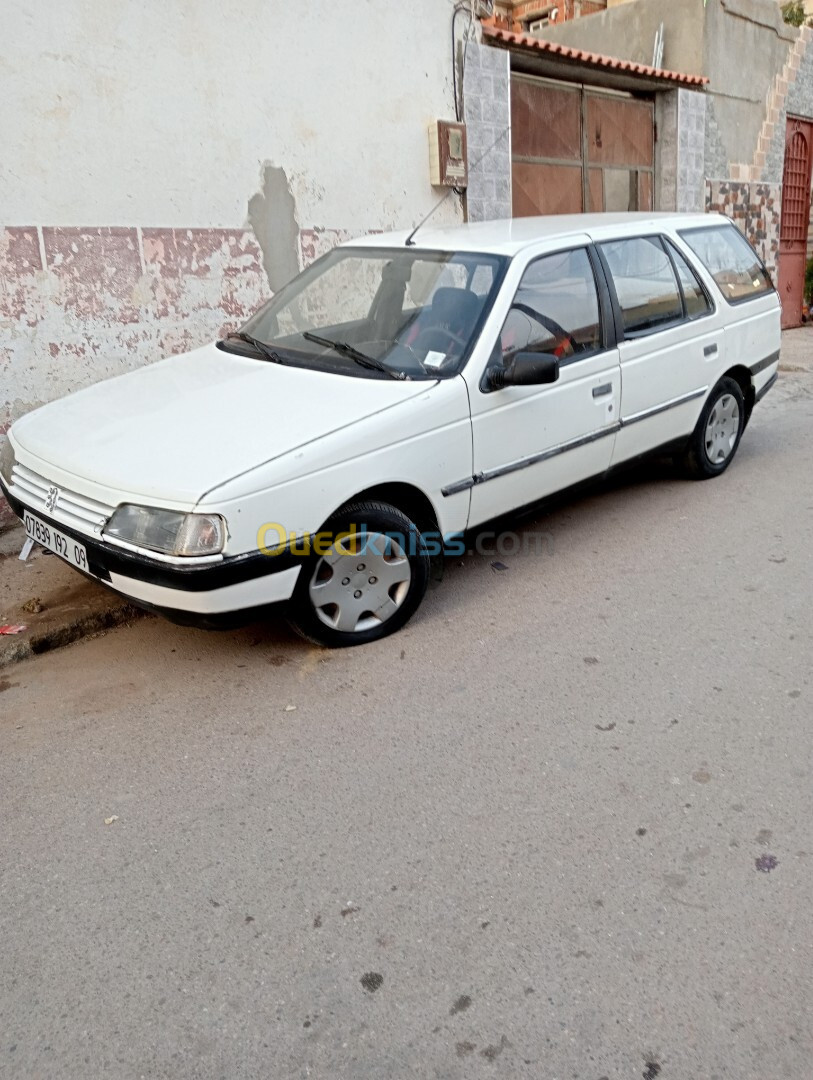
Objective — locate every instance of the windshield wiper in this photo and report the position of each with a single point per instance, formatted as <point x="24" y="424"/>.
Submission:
<point x="355" y="354"/>
<point x="260" y="346"/>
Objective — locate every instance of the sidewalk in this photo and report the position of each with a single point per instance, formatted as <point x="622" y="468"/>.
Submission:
<point x="797" y="350"/>
<point x="53" y="601"/>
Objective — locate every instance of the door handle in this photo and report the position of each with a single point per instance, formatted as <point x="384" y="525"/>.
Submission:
<point x="603" y="390"/>
<point x="710" y="350"/>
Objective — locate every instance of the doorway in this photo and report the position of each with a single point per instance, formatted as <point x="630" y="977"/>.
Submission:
<point x="795" y="220"/>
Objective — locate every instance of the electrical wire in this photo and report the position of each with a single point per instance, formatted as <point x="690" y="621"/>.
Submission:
<point x="460" y="6"/>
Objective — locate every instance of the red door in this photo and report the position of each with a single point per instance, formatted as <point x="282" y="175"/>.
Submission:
<point x="795" y="219"/>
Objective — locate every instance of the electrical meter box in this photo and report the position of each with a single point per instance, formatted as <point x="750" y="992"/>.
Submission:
<point x="447" y="154"/>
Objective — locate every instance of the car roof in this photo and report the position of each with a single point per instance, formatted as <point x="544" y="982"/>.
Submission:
<point x="508" y="236"/>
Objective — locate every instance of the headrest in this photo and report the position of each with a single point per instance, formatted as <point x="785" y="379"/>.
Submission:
<point x="397" y="271"/>
<point x="454" y="308"/>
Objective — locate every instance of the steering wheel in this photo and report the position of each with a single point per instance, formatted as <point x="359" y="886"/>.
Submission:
<point x="430" y="333"/>
<point x="402" y="358"/>
<point x="551" y="325"/>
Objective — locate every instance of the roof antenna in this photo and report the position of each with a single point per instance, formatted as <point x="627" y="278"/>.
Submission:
<point x="410" y="241"/>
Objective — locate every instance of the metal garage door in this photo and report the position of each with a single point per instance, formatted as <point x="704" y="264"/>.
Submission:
<point x="575" y="149"/>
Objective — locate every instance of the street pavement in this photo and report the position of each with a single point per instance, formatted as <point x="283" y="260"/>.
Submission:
<point x="557" y="828"/>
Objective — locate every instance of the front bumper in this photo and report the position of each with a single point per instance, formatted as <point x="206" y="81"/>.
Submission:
<point x="227" y="593"/>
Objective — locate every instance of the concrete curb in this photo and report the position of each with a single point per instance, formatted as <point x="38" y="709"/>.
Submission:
<point x="55" y="603"/>
<point x="13" y="649"/>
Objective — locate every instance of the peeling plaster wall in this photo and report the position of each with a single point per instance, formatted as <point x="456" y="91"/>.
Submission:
<point x="161" y="113"/>
<point x="172" y="163"/>
<point x="82" y="304"/>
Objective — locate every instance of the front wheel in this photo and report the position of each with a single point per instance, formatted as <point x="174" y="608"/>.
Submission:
<point x="367" y="584"/>
<point x="715" y="440"/>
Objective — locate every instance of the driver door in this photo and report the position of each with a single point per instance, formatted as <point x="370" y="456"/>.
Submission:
<point x="530" y="441"/>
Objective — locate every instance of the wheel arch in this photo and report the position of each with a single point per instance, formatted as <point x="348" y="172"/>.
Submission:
<point x="407" y="498"/>
<point x="741" y="375"/>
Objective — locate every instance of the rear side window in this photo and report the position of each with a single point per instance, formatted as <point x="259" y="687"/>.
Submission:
<point x="645" y="283"/>
<point x="730" y="260"/>
<point x="697" y="303"/>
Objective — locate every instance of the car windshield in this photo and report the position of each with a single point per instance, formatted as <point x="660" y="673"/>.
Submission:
<point x="377" y="313"/>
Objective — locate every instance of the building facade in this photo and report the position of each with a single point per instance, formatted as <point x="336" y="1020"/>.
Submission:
<point x="170" y="165"/>
<point x="755" y="116"/>
<point x="166" y="165"/>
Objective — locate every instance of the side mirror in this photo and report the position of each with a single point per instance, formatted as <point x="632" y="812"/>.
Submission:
<point x="526" y="369"/>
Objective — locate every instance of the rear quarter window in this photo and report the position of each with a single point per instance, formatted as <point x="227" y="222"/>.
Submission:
<point x="731" y="261"/>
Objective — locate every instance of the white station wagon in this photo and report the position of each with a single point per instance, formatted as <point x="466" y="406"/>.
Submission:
<point x="401" y="390"/>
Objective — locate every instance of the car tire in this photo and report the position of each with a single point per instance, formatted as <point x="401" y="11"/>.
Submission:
<point x="368" y="584"/>
<point x="718" y="432"/>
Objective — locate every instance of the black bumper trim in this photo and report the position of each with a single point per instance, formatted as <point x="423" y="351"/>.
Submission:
<point x="105" y="559"/>
<point x="220" y="620"/>
<point x="768" y="386"/>
<point x="760" y="365"/>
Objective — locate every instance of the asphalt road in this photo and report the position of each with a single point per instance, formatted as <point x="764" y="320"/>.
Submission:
<point x="559" y="827"/>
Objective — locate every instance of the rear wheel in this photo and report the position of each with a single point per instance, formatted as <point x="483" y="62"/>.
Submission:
<point x="368" y="584"/>
<point x="715" y="440"/>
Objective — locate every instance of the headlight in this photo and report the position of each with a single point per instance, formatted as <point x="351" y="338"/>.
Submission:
<point x="167" y="531"/>
<point x="7" y="460"/>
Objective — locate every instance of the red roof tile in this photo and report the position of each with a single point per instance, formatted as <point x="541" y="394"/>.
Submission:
<point x="590" y="59"/>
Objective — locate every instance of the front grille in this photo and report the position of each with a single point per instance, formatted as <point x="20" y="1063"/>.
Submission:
<point x="84" y="514"/>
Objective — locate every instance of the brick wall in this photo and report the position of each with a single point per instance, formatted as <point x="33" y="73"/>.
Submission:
<point x="516" y="14"/>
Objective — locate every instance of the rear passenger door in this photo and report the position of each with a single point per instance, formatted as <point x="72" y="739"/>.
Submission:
<point x="530" y="441"/>
<point x="671" y="341"/>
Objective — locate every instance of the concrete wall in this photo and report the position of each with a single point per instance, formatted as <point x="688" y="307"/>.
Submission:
<point x="758" y="70"/>
<point x="165" y="164"/>
<point x="739" y="45"/>
<point x="793" y="95"/>
<point x="751" y="193"/>
<point x="746" y="46"/>
<point x="628" y="31"/>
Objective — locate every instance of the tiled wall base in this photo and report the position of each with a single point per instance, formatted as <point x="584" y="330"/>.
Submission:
<point x="755" y="209"/>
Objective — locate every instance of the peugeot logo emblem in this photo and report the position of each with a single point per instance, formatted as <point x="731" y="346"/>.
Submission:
<point x="51" y="498"/>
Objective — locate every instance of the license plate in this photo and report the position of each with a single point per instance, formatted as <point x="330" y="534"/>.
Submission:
<point x="52" y="539"/>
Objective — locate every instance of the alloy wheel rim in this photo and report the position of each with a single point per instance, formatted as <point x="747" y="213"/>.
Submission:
<point x="360" y="583"/>
<point x="722" y="428"/>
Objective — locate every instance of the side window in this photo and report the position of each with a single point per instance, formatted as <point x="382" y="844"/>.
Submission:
<point x="645" y="283"/>
<point x="697" y="303"/>
<point x="555" y="309"/>
<point x="730" y="260"/>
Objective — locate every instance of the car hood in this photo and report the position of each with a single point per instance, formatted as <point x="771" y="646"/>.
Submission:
<point x="173" y="430"/>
